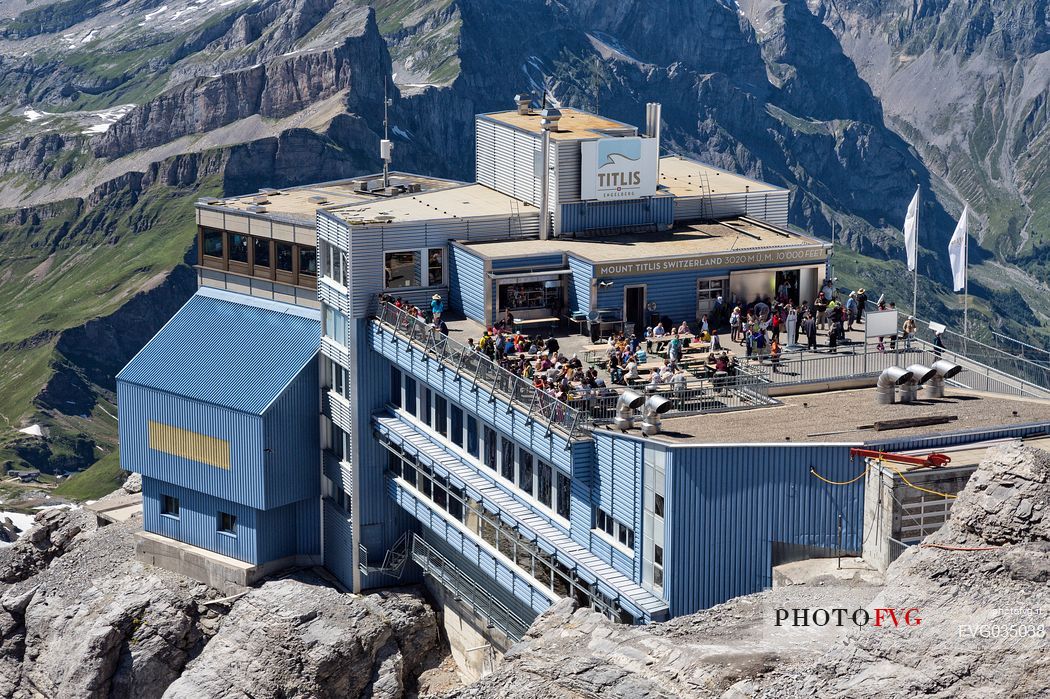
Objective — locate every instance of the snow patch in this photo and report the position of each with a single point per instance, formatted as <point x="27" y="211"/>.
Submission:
<point x="401" y="132"/>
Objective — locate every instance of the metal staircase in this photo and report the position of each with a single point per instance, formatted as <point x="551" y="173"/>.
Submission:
<point x="393" y="561"/>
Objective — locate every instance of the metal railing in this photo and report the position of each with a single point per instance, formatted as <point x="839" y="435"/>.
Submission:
<point x="466" y="590"/>
<point x="476" y="367"/>
<point x="895" y="548"/>
<point x="1016" y="362"/>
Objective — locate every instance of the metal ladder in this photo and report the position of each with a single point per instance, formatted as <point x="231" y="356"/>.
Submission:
<point x="515" y="211"/>
<point x="706" y="209"/>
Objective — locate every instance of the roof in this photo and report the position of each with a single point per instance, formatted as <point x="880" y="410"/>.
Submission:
<point x="472" y="200"/>
<point x="684" y="240"/>
<point x="295" y="202"/>
<point x="573" y="124"/>
<point x="686" y="178"/>
<point x="234" y="351"/>
<point x="848" y="416"/>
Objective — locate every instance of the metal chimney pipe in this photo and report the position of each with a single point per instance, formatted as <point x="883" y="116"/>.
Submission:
<point x="548" y="122"/>
<point x="888" y="381"/>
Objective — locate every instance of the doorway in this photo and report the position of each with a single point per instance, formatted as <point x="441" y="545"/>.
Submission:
<point x="707" y="293"/>
<point x="634" y="309"/>
<point x="787" y="285"/>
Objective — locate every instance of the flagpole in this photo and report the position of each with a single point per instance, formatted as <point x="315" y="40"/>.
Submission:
<point x="915" y="272"/>
<point x="966" y="284"/>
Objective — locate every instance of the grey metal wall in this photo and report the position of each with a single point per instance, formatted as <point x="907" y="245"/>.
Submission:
<point x="586" y="216"/>
<point x="467" y="283"/>
<point x="506" y="159"/>
<point x="580" y="284"/>
<point x="338" y="544"/>
<point x="769" y="206"/>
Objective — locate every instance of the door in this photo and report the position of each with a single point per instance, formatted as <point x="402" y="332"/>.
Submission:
<point x="707" y="292"/>
<point x="634" y="309"/>
<point x="787" y="282"/>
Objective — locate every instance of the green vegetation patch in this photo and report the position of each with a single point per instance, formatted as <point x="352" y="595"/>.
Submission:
<point x="101" y="478"/>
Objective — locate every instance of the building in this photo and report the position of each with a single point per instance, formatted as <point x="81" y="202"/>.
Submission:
<point x="291" y="413"/>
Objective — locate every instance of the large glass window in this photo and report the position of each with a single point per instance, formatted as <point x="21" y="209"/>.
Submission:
<point x="403" y="269"/>
<point x="227" y="523"/>
<point x="284" y="256"/>
<point x="525" y="473"/>
<point x="395" y="386"/>
<point x="308" y="261"/>
<point x="169" y="506"/>
<point x="456" y="425"/>
<point x="472" y="436"/>
<point x="543" y="490"/>
<point x="564" y="487"/>
<point x="435" y="266"/>
<point x="507" y="459"/>
<point x="212" y="242"/>
<point x="262" y="252"/>
<point x="335" y="325"/>
<point x="490" y="447"/>
<point x="238" y="247"/>
<point x="441" y="415"/>
<point x="410" y="395"/>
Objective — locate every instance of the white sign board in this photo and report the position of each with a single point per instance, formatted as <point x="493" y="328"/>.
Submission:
<point x="880" y="323"/>
<point x="618" y="168"/>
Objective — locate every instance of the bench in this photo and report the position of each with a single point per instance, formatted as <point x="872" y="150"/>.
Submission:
<point x="526" y="323"/>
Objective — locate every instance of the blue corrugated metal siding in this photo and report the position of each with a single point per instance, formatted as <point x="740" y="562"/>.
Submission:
<point x="961" y="437"/>
<point x="467" y="283"/>
<point x="587" y="216"/>
<point x="580" y="284"/>
<point x="238" y="354"/>
<point x="533" y="262"/>
<point x="674" y="294"/>
<point x="726" y="505"/>
<point x="197" y="521"/>
<point x="338" y="544"/>
<point x="291" y="441"/>
<point x="244" y="482"/>
<point x="308" y="526"/>
<point x="616" y="488"/>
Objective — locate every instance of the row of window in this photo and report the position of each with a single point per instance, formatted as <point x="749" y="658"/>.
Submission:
<point x="517" y="466"/>
<point x="333" y="265"/>
<point x="225" y="523"/>
<point x="404" y="269"/>
<point x="334" y="324"/>
<point x="605" y="522"/>
<point x="266" y="258"/>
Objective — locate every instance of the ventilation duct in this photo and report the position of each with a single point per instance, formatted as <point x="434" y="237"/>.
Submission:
<point x="920" y="374"/>
<point x="944" y="369"/>
<point x="626" y="404"/>
<point x="654" y="407"/>
<point x="523" y="100"/>
<point x="886" y="386"/>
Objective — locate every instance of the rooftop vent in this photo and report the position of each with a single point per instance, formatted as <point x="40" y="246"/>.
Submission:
<point x="919" y="375"/>
<point x="886" y="386"/>
<point x="549" y="119"/>
<point x="934" y="388"/>
<point x="524" y="102"/>
<point x="254" y="209"/>
<point x="260" y="200"/>
<point x="318" y="200"/>
<point x="654" y="407"/>
<point x="626" y="404"/>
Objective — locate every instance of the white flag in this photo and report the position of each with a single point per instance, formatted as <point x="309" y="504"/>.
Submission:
<point x="911" y="232"/>
<point x="957" y="250"/>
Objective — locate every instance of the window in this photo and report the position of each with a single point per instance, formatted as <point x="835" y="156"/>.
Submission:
<point x="308" y="261"/>
<point x="658" y="505"/>
<point x="340" y="445"/>
<point x="456" y="425"/>
<point x="212" y="242"/>
<point x="490" y="448"/>
<point x="395" y="386"/>
<point x="424" y="410"/>
<point x="238" y="247"/>
<point x="403" y="269"/>
<point x="410" y="395"/>
<point x="284" y="256"/>
<point x="435" y="266"/>
<point x="472" y="436"/>
<point x="564" y="489"/>
<point x="331" y="261"/>
<point x="617" y="530"/>
<point x="543" y="491"/>
<point x="227" y="523"/>
<point x="261" y="247"/>
<point x="169" y="506"/>
<point x="335" y="325"/>
<point x="507" y="459"/>
<point x="525" y="475"/>
<point x="441" y="415"/>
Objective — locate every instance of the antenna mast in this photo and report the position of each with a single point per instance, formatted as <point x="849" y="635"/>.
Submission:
<point x="385" y="146"/>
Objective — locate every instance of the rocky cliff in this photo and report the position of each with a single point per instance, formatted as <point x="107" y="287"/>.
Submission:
<point x="80" y="618"/>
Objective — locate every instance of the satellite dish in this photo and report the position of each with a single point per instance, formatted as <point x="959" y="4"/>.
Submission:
<point x="593" y="315"/>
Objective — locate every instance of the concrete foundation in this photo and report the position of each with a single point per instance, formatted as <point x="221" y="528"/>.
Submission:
<point x="477" y="650"/>
<point x="221" y="572"/>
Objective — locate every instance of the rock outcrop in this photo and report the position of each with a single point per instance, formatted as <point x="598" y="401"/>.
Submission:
<point x="80" y="618"/>
<point x="979" y="626"/>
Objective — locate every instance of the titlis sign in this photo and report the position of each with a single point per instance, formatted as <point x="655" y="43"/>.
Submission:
<point x="618" y="168"/>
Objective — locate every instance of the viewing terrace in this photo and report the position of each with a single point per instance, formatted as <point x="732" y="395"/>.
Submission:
<point x="755" y="382"/>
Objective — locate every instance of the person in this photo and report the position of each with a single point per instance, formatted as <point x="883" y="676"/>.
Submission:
<point x="437" y="306"/>
<point x="674" y="348"/>
<point x="851" y="309"/>
<point x="821" y="307"/>
<point x="659" y="331"/>
<point x="734" y="324"/>
<point x="909" y="329"/>
<point x="704" y="325"/>
<point x="774" y="355"/>
<point x="683" y="329"/>
<point x="809" y="327"/>
<point x="862" y="302"/>
<point x="938" y="344"/>
<point x="716" y="344"/>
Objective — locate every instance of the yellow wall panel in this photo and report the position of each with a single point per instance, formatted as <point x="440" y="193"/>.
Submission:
<point x="189" y="445"/>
